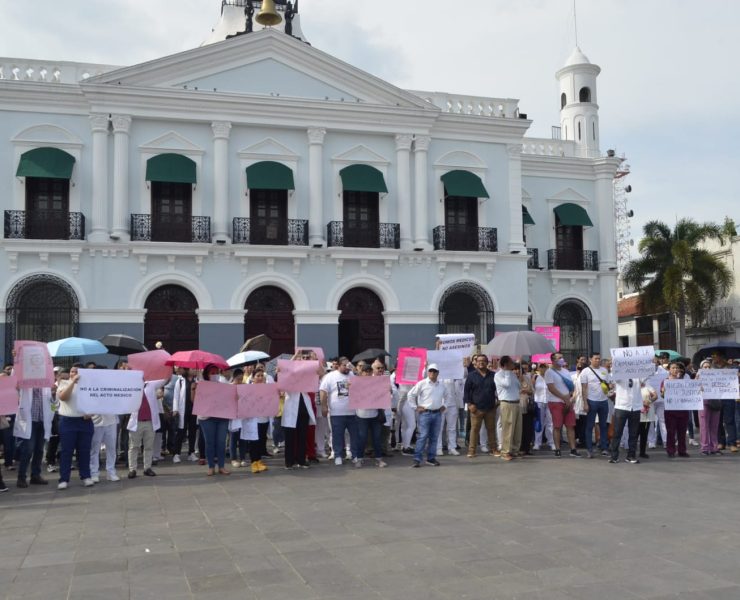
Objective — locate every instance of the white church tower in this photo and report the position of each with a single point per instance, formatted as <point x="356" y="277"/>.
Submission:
<point x="245" y="16"/>
<point x="579" y="110"/>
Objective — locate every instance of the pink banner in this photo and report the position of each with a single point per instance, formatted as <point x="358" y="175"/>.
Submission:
<point x="8" y="395"/>
<point x="215" y="399"/>
<point x="370" y="392"/>
<point x="152" y="363"/>
<point x="551" y="333"/>
<point x="257" y="400"/>
<point x="298" y="375"/>
<point x="410" y="367"/>
<point x="32" y="364"/>
<point x="319" y="352"/>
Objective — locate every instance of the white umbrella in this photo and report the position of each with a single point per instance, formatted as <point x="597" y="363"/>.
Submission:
<point x="518" y="343"/>
<point x="243" y="358"/>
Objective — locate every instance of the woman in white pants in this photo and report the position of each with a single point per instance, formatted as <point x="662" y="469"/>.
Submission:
<point x="540" y="397"/>
<point x="407" y="415"/>
<point x="104" y="434"/>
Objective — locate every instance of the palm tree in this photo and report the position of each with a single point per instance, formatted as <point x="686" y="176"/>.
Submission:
<point x="676" y="274"/>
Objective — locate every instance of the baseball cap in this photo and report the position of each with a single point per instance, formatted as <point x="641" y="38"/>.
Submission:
<point x="433" y="367"/>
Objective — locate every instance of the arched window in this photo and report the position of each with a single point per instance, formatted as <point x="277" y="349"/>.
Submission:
<point x="171" y="319"/>
<point x="579" y="131"/>
<point x="584" y="95"/>
<point x="361" y="323"/>
<point x="574" y="319"/>
<point x="467" y="308"/>
<point x="562" y="100"/>
<point x="270" y="312"/>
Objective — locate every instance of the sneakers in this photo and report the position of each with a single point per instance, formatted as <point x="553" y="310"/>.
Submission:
<point x="113" y="477"/>
<point x="589" y="454"/>
<point x="536" y="447"/>
<point x="604" y="453"/>
<point x="62" y="485"/>
<point x="358" y="464"/>
<point x="258" y="467"/>
<point x="3" y="487"/>
<point x="557" y="453"/>
<point x="176" y="459"/>
<point x="88" y="482"/>
<point x="733" y="449"/>
<point x="192" y="458"/>
<point x="643" y="455"/>
<point x="574" y="453"/>
<point x="453" y="452"/>
<point x="407" y="451"/>
<point x="440" y="452"/>
<point x="433" y="462"/>
<point x="132" y="474"/>
<point x="236" y="464"/>
<point x="416" y="465"/>
<point x="693" y="442"/>
<point x="338" y="461"/>
<point x="471" y="455"/>
<point x="613" y="461"/>
<point x="95" y="478"/>
<point x="51" y="468"/>
<point x="149" y="473"/>
<point x="21" y="483"/>
<point x="379" y="462"/>
<point x="632" y="460"/>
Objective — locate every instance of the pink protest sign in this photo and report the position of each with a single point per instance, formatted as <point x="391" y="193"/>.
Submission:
<point x="8" y="395"/>
<point x="152" y="363"/>
<point x="410" y="367"/>
<point x="552" y="334"/>
<point x="370" y="392"/>
<point x="215" y="399"/>
<point x="318" y="351"/>
<point x="257" y="400"/>
<point x="32" y="364"/>
<point x="298" y="375"/>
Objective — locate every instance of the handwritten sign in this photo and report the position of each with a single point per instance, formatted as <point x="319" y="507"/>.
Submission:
<point x="257" y="400"/>
<point x="463" y="342"/>
<point x="215" y="399"/>
<point x="683" y="394"/>
<point x="33" y="365"/>
<point x="370" y="392"/>
<point x="719" y="384"/>
<point x="410" y="368"/>
<point x="552" y="333"/>
<point x="450" y="363"/>
<point x="8" y="395"/>
<point x="298" y="375"/>
<point x="632" y="363"/>
<point x="109" y="392"/>
<point x="152" y="364"/>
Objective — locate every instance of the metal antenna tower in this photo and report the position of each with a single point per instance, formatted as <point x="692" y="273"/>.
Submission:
<point x="622" y="214"/>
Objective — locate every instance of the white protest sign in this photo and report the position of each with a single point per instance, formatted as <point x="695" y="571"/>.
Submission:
<point x="632" y="363"/>
<point x="450" y="363"/>
<point x="457" y="341"/>
<point x="719" y="384"/>
<point x="683" y="394"/>
<point x="109" y="391"/>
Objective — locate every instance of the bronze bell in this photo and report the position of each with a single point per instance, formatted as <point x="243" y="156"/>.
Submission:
<point x="268" y="16"/>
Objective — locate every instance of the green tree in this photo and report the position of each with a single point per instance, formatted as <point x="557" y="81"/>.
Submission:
<point x="675" y="273"/>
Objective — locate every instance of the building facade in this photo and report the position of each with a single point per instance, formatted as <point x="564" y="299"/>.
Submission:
<point x="259" y="185"/>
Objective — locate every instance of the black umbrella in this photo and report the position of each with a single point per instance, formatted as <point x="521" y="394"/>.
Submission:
<point x="121" y="344"/>
<point x="729" y="349"/>
<point x="371" y="354"/>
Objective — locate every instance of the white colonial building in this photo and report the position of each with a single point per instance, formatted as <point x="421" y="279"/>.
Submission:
<point x="259" y="185"/>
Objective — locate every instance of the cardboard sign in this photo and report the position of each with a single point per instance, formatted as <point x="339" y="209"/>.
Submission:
<point x="215" y="399"/>
<point x="370" y="392"/>
<point x="632" y="363"/>
<point x="298" y="375"/>
<point x="551" y="333"/>
<point x="410" y="367"/>
<point x="8" y="395"/>
<point x="109" y="392"/>
<point x="257" y="400"/>
<point x="683" y="394"/>
<point x="463" y="342"/>
<point x="450" y="363"/>
<point x="33" y="365"/>
<point x="719" y="384"/>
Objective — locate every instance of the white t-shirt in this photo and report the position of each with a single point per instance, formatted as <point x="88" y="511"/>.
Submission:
<point x="68" y="408"/>
<point x="589" y="377"/>
<point x="556" y="378"/>
<point x="540" y="389"/>
<point x="335" y="386"/>
<point x="628" y="398"/>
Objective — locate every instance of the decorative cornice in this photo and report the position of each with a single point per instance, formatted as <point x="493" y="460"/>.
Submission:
<point x="99" y="123"/>
<point x="421" y="143"/>
<point x="316" y="135"/>
<point x="403" y="141"/>
<point x="121" y="123"/>
<point x="221" y="129"/>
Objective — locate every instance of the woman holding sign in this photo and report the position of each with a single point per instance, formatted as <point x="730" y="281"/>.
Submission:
<point x="297" y="414"/>
<point x="75" y="431"/>
<point x="709" y="419"/>
<point x="676" y="421"/>
<point x="213" y="430"/>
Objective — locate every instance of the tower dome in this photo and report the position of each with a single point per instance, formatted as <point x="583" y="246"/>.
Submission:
<point x="239" y="17"/>
<point x="579" y="110"/>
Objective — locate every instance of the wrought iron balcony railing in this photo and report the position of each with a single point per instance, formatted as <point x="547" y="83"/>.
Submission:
<point x="533" y="260"/>
<point x="44" y="225"/>
<point x="573" y="260"/>
<point x="351" y="235"/>
<point x="276" y="232"/>
<point x="475" y="239"/>
<point x="196" y="230"/>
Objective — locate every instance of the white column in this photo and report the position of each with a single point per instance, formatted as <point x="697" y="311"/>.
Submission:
<point x="121" y="219"/>
<point x="316" y="186"/>
<point x="99" y="195"/>
<point x="221" y="130"/>
<point x="605" y="230"/>
<point x="403" y="187"/>
<point x="421" y="205"/>
<point x="516" y="227"/>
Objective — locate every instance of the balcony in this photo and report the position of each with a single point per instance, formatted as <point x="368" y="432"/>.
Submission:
<point x="533" y="258"/>
<point x="143" y="229"/>
<point x="470" y="239"/>
<point x="386" y="235"/>
<point x="573" y="260"/>
<point x="275" y="232"/>
<point x="44" y="225"/>
<point x="719" y="319"/>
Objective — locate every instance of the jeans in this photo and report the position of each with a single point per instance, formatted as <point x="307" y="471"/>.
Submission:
<point x="375" y="428"/>
<point x="75" y="433"/>
<point x="429" y="424"/>
<point x="339" y="424"/>
<point x="600" y="409"/>
<point x="214" y="430"/>
<point x="729" y="421"/>
<point x="31" y="450"/>
<point x="9" y="442"/>
<point x="620" y="419"/>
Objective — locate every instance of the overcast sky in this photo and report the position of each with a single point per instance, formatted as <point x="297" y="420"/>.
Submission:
<point x="669" y="90"/>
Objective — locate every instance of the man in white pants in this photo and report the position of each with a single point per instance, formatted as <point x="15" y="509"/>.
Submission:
<point x="453" y="404"/>
<point x="104" y="434"/>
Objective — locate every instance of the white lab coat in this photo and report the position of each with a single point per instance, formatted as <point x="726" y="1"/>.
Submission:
<point x="290" y="409"/>
<point x="22" y="427"/>
<point x="150" y="393"/>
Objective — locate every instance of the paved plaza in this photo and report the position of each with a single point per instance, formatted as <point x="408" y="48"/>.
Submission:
<point x="538" y="528"/>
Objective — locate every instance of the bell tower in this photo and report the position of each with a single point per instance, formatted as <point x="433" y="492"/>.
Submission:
<point x="239" y="17"/>
<point x="579" y="110"/>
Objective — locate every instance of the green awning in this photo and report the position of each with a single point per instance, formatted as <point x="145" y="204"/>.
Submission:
<point x="526" y="217"/>
<point x="464" y="183"/>
<point x="362" y="178"/>
<point x="170" y="168"/>
<point x="269" y="175"/>
<point x="572" y="214"/>
<point x="46" y="162"/>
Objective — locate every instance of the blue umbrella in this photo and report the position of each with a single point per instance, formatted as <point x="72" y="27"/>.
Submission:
<point x="74" y="346"/>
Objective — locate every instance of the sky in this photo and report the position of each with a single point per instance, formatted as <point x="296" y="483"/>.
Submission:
<point x="669" y="90"/>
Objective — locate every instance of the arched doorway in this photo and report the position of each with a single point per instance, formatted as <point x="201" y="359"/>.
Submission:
<point x="467" y="308"/>
<point x="361" y="324"/>
<point x="574" y="319"/>
<point x="270" y="311"/>
<point x="171" y="319"/>
<point x="41" y="308"/>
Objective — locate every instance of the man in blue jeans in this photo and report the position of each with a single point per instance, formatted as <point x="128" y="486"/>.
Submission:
<point x="32" y="426"/>
<point x="428" y="398"/>
<point x="595" y="385"/>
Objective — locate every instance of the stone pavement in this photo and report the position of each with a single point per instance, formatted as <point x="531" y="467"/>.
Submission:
<point x="538" y="528"/>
